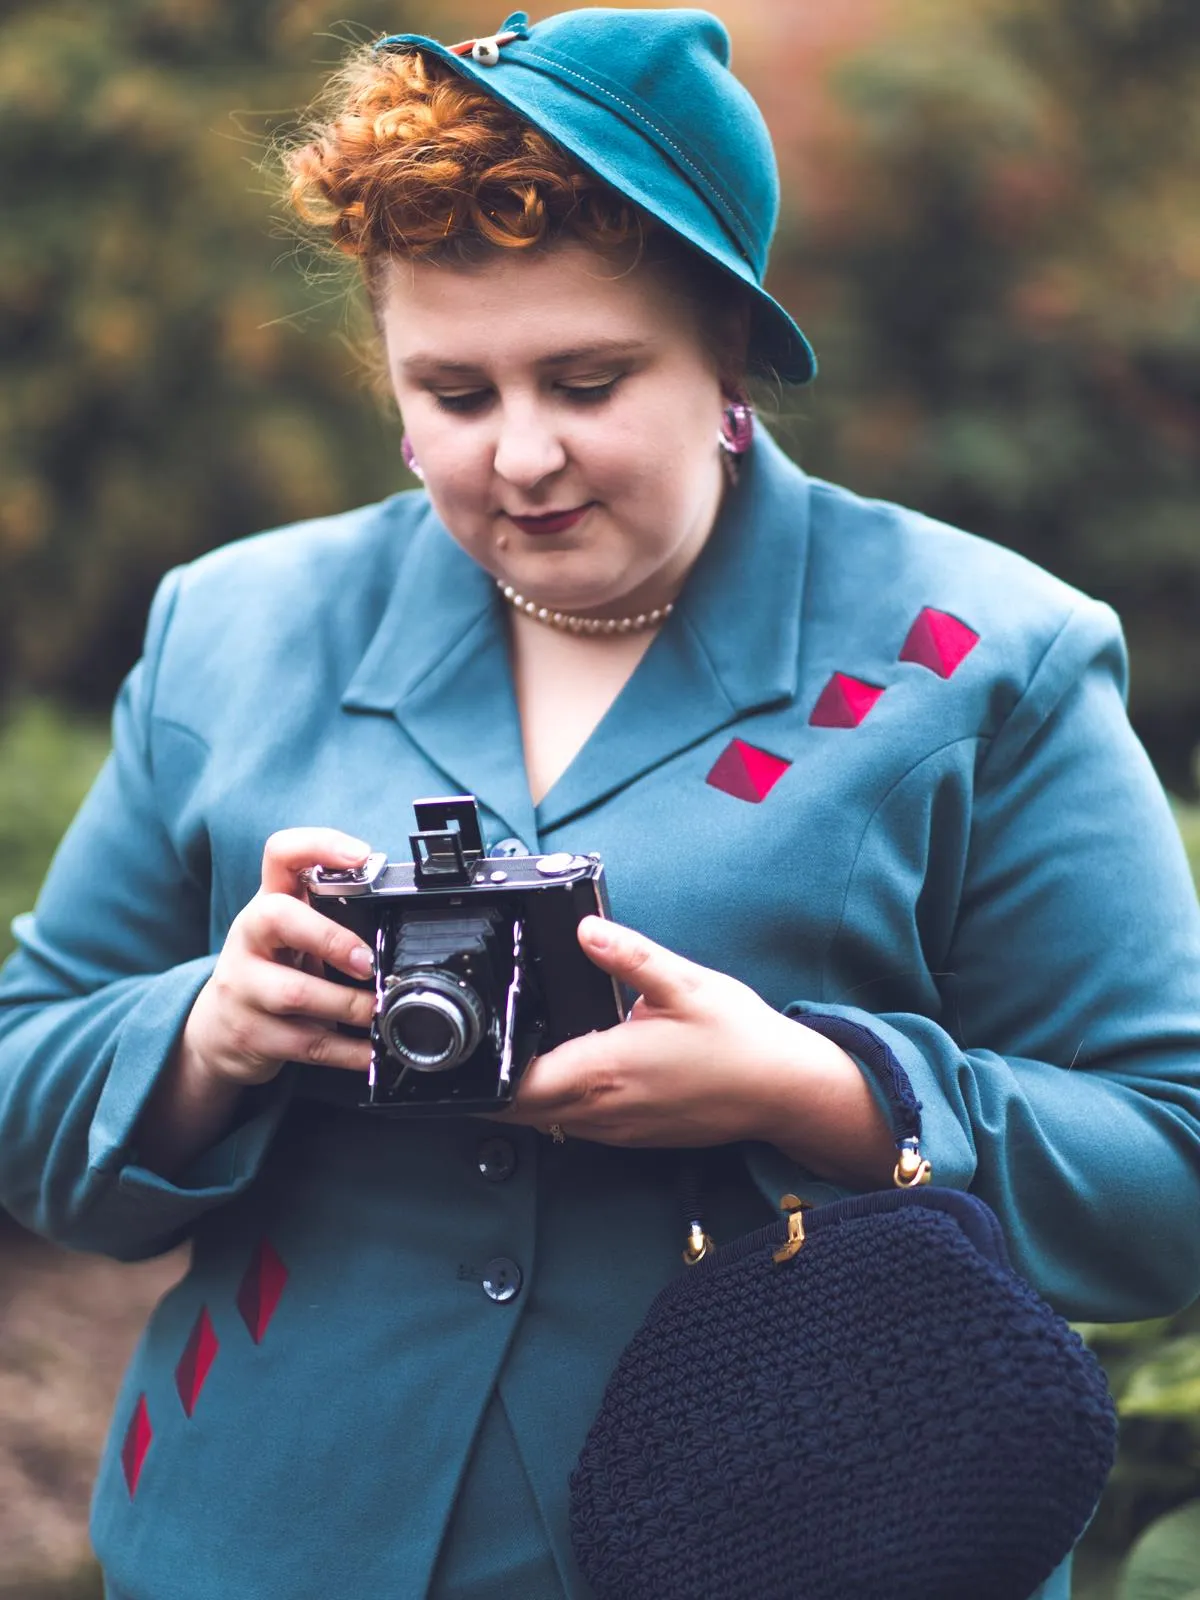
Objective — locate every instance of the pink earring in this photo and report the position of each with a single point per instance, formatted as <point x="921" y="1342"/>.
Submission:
<point x="737" y="428"/>
<point x="735" y="435"/>
<point x="410" y="460"/>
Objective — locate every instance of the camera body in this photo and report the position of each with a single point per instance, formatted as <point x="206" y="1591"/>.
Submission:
<point x="477" y="964"/>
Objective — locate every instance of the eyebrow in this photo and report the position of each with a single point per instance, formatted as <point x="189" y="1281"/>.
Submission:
<point x="426" y="361"/>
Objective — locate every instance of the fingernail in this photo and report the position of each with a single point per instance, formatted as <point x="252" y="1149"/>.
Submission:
<point x="597" y="934"/>
<point x="355" y="849"/>
<point x="360" y="960"/>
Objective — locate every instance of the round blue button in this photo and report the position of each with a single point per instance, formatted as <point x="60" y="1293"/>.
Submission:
<point x="501" y="1279"/>
<point x="496" y="1159"/>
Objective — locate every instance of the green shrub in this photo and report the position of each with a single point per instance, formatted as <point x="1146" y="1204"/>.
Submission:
<point x="1153" y="1497"/>
<point x="1188" y="818"/>
<point x="48" y="757"/>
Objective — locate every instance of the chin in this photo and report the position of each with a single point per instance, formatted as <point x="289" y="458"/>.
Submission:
<point x="561" y="592"/>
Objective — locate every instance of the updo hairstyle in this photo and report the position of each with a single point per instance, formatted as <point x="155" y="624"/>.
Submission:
<point x="406" y="159"/>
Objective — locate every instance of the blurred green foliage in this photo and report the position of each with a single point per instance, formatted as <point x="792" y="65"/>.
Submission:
<point x="1188" y="818"/>
<point x="48" y="758"/>
<point x="1164" y="1564"/>
<point x="1002" y="278"/>
<point x="84" y="1583"/>
<point x="162" y="391"/>
<point x="1154" y="1492"/>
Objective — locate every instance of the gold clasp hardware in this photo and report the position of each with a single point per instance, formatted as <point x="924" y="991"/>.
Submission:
<point x="912" y="1169"/>
<point x="698" y="1245"/>
<point x="795" y="1207"/>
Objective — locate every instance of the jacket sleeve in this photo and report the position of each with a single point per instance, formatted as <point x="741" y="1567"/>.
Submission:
<point x="1061" y="1082"/>
<point x="94" y="999"/>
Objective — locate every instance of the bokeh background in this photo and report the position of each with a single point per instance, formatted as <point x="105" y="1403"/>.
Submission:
<point x="991" y="231"/>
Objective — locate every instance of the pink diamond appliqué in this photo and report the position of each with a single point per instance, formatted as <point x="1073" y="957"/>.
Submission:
<point x="746" y="772"/>
<point x="198" y="1356"/>
<point x="260" y="1289"/>
<point x="939" y="641"/>
<point x="844" y="702"/>
<point x="137" y="1441"/>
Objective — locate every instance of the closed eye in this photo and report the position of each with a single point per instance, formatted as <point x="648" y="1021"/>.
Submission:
<point x="470" y="401"/>
<point x="589" y="393"/>
<point x="462" y="404"/>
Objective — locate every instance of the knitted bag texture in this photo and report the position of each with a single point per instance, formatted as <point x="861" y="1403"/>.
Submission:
<point x="892" y="1414"/>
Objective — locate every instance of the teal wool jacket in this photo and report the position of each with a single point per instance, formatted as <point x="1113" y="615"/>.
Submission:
<point x="873" y="766"/>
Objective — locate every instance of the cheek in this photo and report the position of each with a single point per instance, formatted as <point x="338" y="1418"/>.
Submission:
<point x="457" y="469"/>
<point x="657" y="450"/>
<point x="668" y="465"/>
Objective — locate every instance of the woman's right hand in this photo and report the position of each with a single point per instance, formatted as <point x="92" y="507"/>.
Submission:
<point x="266" y="1002"/>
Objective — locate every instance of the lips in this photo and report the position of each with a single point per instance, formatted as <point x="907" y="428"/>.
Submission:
<point x="551" y="522"/>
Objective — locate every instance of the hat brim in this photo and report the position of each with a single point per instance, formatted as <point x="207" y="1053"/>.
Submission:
<point x="594" y="137"/>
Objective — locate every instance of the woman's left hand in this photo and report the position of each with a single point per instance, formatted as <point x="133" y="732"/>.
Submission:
<point x="704" y="1060"/>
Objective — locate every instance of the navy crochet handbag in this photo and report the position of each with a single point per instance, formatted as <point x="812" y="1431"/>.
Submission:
<point x="860" y="1402"/>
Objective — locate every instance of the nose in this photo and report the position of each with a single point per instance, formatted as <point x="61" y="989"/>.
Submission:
<point x="528" y="446"/>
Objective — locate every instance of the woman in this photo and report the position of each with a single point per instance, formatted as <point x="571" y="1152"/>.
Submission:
<point x="849" y="769"/>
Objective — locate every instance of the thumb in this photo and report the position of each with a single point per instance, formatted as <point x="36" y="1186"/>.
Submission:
<point x="660" y="976"/>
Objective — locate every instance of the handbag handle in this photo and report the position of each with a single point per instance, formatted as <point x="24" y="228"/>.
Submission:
<point x="878" y="1061"/>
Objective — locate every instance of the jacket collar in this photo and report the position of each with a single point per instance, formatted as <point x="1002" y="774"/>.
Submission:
<point x="439" y="661"/>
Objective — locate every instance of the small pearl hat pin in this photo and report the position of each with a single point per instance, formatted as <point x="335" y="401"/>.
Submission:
<point x="487" y="51"/>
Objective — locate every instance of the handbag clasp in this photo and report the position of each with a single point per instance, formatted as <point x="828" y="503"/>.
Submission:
<point x="795" y="1207"/>
<point x="912" y="1168"/>
<point x="699" y="1244"/>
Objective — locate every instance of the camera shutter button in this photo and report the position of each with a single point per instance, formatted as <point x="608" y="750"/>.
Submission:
<point x="553" y="866"/>
<point x="501" y="1279"/>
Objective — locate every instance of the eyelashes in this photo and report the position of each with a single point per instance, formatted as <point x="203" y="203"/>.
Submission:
<point x="477" y="400"/>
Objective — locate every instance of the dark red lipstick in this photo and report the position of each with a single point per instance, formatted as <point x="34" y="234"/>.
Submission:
<point x="552" y="522"/>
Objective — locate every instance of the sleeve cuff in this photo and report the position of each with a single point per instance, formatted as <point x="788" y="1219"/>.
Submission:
<point x="146" y="1044"/>
<point x="902" y="1065"/>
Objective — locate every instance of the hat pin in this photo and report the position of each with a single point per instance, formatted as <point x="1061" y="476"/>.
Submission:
<point x="487" y="50"/>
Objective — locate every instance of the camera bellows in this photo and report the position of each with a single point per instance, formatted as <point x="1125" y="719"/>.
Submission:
<point x="444" y="992"/>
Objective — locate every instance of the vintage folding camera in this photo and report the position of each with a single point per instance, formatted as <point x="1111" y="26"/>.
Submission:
<point x="477" y="964"/>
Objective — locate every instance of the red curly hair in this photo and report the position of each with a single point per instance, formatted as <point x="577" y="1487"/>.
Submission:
<point x="408" y="159"/>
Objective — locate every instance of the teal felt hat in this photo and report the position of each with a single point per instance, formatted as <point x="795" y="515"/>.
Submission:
<point x="646" y="101"/>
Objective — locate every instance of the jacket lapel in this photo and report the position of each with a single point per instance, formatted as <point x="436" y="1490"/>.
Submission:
<point x="439" y="664"/>
<point x="730" y="647"/>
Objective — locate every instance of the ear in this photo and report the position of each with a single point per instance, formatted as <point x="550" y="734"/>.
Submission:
<point x="735" y="352"/>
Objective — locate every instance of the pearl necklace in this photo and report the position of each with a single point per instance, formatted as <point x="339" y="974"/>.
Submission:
<point x="567" y="622"/>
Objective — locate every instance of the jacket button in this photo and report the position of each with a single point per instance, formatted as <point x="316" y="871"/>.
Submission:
<point x="497" y="1160"/>
<point x="501" y="1279"/>
<point x="509" y="847"/>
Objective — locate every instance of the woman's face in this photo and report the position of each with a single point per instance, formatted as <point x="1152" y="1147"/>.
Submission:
<point x="565" y="417"/>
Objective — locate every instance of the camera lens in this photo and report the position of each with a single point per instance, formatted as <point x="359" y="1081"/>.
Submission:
<point x="424" y="1032"/>
<point x="431" y="1021"/>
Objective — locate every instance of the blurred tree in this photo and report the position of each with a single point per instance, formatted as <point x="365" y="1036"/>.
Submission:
<point x="161" y="394"/>
<point x="998" y="257"/>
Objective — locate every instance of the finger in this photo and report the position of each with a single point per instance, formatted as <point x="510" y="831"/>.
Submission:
<point x="663" y="978"/>
<point x="309" y="1042"/>
<point x="583" y="1072"/>
<point x="288" y="852"/>
<point x="291" y="992"/>
<point x="276" y="922"/>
